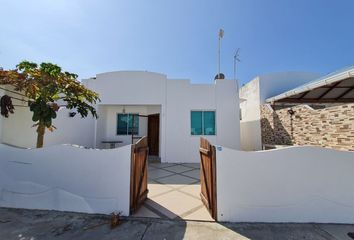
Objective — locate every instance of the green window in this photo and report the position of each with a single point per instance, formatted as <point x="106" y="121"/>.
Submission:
<point x="203" y="123"/>
<point x="196" y="123"/>
<point x="125" y="124"/>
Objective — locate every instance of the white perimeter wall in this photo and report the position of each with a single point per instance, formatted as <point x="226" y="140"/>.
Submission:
<point x="66" y="178"/>
<point x="297" y="184"/>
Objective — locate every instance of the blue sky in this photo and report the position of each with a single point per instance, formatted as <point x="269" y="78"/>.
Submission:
<point x="179" y="38"/>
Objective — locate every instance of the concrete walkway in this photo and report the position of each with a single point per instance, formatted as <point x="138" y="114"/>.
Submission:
<point x="33" y="224"/>
<point x="174" y="193"/>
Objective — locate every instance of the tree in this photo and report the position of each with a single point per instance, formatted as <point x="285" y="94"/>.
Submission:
<point x="48" y="88"/>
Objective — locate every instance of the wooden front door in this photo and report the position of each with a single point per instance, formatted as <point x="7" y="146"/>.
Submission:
<point x="208" y="176"/>
<point x="139" y="174"/>
<point x="154" y="134"/>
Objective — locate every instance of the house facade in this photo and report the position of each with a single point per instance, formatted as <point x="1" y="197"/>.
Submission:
<point x="172" y="113"/>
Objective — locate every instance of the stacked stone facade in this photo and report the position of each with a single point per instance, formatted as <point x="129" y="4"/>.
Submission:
<point x="331" y="127"/>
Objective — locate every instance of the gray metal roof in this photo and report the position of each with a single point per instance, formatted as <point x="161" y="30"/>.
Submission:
<point x="337" y="86"/>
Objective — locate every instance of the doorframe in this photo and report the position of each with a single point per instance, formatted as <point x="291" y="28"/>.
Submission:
<point x="158" y="134"/>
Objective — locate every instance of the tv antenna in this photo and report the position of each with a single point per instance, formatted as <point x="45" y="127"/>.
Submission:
<point x="236" y="59"/>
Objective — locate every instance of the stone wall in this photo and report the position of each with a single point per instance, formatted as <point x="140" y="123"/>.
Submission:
<point x="331" y="127"/>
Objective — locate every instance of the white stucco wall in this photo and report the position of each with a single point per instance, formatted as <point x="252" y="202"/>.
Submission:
<point x="255" y="93"/>
<point x="66" y="178"/>
<point x="139" y="91"/>
<point x="250" y="112"/>
<point x="297" y="184"/>
<point x="182" y="98"/>
<point x="18" y="131"/>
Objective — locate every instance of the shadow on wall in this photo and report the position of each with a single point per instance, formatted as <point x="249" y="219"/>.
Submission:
<point x="251" y="135"/>
<point x="276" y="133"/>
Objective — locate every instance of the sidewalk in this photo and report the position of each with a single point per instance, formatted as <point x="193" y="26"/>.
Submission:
<point x="35" y="225"/>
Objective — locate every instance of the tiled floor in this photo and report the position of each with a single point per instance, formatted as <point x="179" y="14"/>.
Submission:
<point x="174" y="193"/>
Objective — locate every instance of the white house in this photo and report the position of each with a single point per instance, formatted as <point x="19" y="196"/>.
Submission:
<point x="172" y="113"/>
<point x="254" y="94"/>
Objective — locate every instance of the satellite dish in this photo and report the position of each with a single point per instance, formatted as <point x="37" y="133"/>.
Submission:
<point x="219" y="76"/>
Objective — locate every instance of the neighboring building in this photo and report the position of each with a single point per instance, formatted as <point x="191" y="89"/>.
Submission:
<point x="253" y="95"/>
<point x="319" y="113"/>
<point x="174" y="114"/>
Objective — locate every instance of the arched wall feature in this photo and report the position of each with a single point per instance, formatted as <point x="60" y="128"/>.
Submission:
<point x="296" y="184"/>
<point x="66" y="178"/>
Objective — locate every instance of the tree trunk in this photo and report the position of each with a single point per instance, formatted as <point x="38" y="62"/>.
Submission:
<point x="40" y="135"/>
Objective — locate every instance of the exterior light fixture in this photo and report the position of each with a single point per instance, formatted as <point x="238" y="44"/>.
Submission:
<point x="291" y="111"/>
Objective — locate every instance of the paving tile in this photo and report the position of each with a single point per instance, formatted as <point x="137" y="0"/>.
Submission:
<point x="163" y="211"/>
<point x="162" y="165"/>
<point x="151" y="181"/>
<point x="194" y="174"/>
<point x="177" y="202"/>
<point x="201" y="214"/>
<point x="178" y="168"/>
<point x="193" y="190"/>
<point x="145" y="212"/>
<point x="157" y="173"/>
<point x="192" y="165"/>
<point x="151" y="167"/>
<point x="157" y="189"/>
<point x="176" y="180"/>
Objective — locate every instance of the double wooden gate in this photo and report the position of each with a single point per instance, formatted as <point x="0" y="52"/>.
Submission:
<point x="139" y="174"/>
<point x="208" y="176"/>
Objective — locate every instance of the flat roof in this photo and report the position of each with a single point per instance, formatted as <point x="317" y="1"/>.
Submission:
<point x="337" y="86"/>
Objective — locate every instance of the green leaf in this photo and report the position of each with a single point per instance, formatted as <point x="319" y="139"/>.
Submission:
<point x="35" y="117"/>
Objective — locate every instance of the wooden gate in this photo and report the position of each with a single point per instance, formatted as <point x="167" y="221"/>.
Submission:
<point x="208" y="176"/>
<point x="139" y="174"/>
